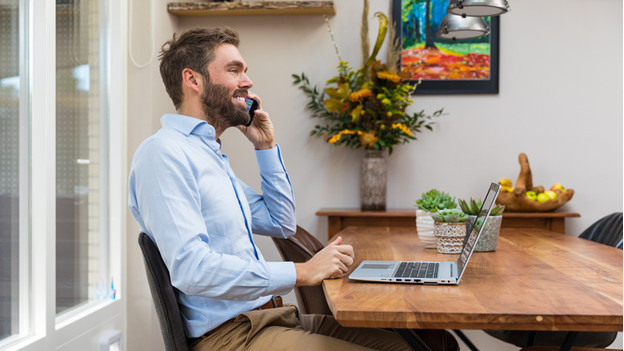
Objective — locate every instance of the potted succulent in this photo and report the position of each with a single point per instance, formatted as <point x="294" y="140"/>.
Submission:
<point x="429" y="203"/>
<point x="489" y="236"/>
<point x="450" y="230"/>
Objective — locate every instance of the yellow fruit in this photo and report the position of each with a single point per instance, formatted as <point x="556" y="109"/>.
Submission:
<point x="542" y="197"/>
<point x="551" y="194"/>
<point x="558" y="186"/>
<point x="505" y="182"/>
<point x="506" y="189"/>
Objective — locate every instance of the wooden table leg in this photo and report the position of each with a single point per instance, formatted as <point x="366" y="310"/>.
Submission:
<point x="334" y="225"/>
<point x="557" y="225"/>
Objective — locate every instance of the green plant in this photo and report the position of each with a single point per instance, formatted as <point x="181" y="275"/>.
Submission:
<point x="435" y="200"/>
<point x="451" y="215"/>
<point x="365" y="108"/>
<point x="473" y="207"/>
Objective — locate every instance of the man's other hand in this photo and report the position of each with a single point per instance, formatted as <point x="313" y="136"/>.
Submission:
<point x="331" y="262"/>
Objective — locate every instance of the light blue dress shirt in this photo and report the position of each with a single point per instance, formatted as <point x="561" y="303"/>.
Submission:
<point x="185" y="196"/>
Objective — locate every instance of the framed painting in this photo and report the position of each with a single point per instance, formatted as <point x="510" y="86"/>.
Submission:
<point x="443" y="66"/>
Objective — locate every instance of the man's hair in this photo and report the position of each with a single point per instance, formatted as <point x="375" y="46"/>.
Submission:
<point x="192" y="49"/>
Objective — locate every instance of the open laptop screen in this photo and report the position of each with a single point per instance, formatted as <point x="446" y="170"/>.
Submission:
<point x="474" y="228"/>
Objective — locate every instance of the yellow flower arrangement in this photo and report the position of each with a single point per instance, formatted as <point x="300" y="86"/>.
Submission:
<point x="358" y="106"/>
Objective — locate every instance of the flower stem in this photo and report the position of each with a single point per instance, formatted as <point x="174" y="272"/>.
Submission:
<point x="331" y="35"/>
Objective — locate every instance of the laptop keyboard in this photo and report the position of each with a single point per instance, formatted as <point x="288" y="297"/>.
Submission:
<point x="417" y="270"/>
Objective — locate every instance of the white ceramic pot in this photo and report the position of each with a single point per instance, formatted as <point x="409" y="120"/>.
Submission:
<point x="424" y="226"/>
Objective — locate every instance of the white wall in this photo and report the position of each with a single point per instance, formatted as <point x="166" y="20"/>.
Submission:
<point x="560" y="102"/>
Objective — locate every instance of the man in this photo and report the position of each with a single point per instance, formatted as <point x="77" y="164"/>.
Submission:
<point x="184" y="194"/>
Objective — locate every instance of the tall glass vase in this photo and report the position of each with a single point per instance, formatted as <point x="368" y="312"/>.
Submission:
<point x="373" y="178"/>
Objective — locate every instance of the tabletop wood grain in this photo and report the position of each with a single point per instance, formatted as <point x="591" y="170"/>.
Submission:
<point x="535" y="280"/>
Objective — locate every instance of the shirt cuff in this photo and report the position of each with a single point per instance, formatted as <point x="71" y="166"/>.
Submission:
<point x="283" y="277"/>
<point x="270" y="160"/>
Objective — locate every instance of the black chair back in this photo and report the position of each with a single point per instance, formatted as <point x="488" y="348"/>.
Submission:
<point x="164" y="296"/>
<point x="607" y="230"/>
<point x="300" y="248"/>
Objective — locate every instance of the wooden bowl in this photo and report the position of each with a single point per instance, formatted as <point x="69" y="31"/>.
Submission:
<point x="517" y="201"/>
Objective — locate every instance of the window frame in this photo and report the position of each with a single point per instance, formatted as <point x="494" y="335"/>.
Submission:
<point x="39" y="326"/>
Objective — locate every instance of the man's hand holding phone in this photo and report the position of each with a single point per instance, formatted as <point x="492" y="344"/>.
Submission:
<point x="260" y="128"/>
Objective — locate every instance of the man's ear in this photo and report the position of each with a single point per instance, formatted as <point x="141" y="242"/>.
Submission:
<point x="192" y="80"/>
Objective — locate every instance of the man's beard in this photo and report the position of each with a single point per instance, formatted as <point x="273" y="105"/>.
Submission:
<point x="220" y="111"/>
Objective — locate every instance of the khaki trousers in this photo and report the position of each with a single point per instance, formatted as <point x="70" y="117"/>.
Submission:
<point x="283" y="329"/>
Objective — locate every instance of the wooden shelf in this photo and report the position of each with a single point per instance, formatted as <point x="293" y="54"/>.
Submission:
<point x="251" y="8"/>
<point x="340" y="218"/>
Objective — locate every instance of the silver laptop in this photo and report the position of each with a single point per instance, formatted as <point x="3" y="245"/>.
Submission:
<point x="434" y="273"/>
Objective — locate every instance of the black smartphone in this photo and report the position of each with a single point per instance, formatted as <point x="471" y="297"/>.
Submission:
<point x="252" y="106"/>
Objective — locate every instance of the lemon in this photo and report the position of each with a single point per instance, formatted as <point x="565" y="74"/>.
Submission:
<point x="542" y="197"/>
<point x="506" y="189"/>
<point x="505" y="182"/>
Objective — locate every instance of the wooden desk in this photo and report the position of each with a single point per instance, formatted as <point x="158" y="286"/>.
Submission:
<point x="340" y="218"/>
<point x="535" y="280"/>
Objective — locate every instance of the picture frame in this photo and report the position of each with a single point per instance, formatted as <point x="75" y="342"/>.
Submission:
<point x="435" y="76"/>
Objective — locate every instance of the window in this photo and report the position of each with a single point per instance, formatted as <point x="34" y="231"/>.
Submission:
<point x="80" y="265"/>
<point x="9" y="167"/>
<point x="59" y="263"/>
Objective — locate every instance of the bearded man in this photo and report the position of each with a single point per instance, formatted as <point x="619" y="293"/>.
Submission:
<point x="185" y="196"/>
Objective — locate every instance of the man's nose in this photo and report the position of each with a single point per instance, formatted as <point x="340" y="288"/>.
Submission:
<point x="246" y="82"/>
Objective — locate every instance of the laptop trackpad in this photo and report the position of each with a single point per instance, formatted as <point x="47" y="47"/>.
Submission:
<point x="375" y="269"/>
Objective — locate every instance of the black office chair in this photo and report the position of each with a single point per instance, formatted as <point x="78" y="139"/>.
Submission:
<point x="608" y="231"/>
<point x="164" y="296"/>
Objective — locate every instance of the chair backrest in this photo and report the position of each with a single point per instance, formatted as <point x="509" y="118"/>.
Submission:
<point x="300" y="248"/>
<point x="164" y="296"/>
<point x="607" y="230"/>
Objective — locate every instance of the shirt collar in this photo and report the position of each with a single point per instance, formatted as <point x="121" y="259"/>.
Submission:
<point x="188" y="125"/>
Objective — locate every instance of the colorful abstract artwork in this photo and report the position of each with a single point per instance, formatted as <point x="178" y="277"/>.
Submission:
<point x="444" y="66"/>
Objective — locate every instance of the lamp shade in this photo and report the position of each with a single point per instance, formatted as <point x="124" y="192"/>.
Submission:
<point x="478" y="8"/>
<point x="457" y="27"/>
